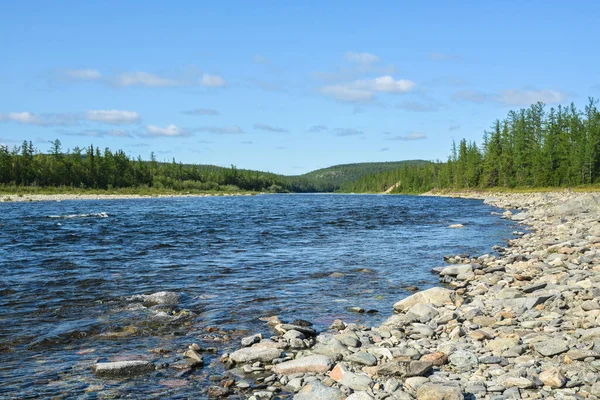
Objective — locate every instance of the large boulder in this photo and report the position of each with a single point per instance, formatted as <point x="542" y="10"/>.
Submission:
<point x="436" y="296"/>
<point x="585" y="203"/>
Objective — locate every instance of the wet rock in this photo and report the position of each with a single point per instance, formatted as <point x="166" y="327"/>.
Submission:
<point x="250" y="340"/>
<point x="316" y="390"/>
<point x="438" y="391"/>
<point x="120" y="369"/>
<point x="158" y="298"/>
<point x="456" y="226"/>
<point x="316" y="363"/>
<point x="455" y="270"/>
<point x="257" y="352"/>
<point x="217" y="392"/>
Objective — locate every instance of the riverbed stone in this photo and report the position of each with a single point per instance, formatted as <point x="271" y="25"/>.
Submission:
<point x="318" y="364"/>
<point x="551" y="347"/>
<point x="439" y="391"/>
<point x="256" y="352"/>
<point x="120" y="369"/>
<point x="315" y="390"/>
<point x="553" y="378"/>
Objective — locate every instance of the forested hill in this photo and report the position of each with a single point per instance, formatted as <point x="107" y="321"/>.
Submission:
<point x="93" y="168"/>
<point x="330" y="179"/>
<point x="531" y="147"/>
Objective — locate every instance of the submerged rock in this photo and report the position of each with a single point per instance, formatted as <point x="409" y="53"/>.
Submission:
<point x="122" y="369"/>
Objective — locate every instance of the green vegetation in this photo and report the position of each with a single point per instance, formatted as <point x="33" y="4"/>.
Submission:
<point x="26" y="170"/>
<point x="531" y="148"/>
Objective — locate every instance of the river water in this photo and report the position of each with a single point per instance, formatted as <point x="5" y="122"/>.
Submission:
<point x="69" y="270"/>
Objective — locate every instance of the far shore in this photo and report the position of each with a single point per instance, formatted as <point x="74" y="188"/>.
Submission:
<point x="22" y="197"/>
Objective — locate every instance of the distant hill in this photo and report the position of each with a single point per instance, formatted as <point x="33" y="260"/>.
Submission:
<point x="332" y="178"/>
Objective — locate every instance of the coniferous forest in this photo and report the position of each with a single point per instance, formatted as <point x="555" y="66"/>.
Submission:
<point x="532" y="147"/>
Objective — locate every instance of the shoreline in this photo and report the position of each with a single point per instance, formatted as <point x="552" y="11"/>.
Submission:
<point x="20" y="198"/>
<point x="522" y="324"/>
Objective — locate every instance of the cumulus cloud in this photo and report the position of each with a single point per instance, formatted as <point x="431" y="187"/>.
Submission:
<point x="202" y="111"/>
<point x="28" y="118"/>
<point x="212" y="81"/>
<point x="113" y="116"/>
<point x="347" y="132"/>
<point x="362" y="58"/>
<point x="168" y="131"/>
<point x="221" y="130"/>
<point x="269" y="128"/>
<point x="412" y="136"/>
<point x="86" y="74"/>
<point x="365" y="90"/>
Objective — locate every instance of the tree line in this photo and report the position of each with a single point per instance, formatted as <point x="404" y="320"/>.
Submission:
<point x="531" y="147"/>
<point x="92" y="168"/>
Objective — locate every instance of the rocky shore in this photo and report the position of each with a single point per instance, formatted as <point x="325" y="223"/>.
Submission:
<point x="66" y="197"/>
<point x="520" y="322"/>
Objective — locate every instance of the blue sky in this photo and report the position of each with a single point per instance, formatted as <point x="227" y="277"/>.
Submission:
<point x="286" y="87"/>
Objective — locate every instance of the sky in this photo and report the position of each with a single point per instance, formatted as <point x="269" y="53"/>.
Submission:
<point x="286" y="87"/>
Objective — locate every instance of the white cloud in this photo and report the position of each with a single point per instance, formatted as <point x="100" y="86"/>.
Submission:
<point x="169" y="131"/>
<point x="221" y="130"/>
<point x="514" y="97"/>
<point x="113" y="116"/>
<point x="269" y="128"/>
<point x="412" y="136"/>
<point x="366" y="89"/>
<point x="28" y="118"/>
<point x="100" y="133"/>
<point x="387" y="84"/>
<point x="144" y="79"/>
<point x="362" y="58"/>
<point x="212" y="80"/>
<point x="82" y="74"/>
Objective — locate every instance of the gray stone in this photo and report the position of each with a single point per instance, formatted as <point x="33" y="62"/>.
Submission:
<point x="316" y="363"/>
<point x="362" y="358"/>
<point x="551" y="347"/>
<point x="436" y="296"/>
<point x="438" y="391"/>
<point x="316" y="390"/>
<point x="356" y="381"/>
<point x="359" y="396"/>
<point x="463" y="360"/>
<point x="123" y="368"/>
<point x="250" y="340"/>
<point x="423" y="312"/>
<point x="455" y="270"/>
<point x="255" y="353"/>
<point x="164" y="298"/>
<point x="518" y="382"/>
<point x="590" y="305"/>
<point x="333" y="348"/>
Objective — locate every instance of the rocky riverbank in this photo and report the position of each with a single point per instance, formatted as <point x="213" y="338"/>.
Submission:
<point x="523" y="322"/>
<point x="66" y="197"/>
